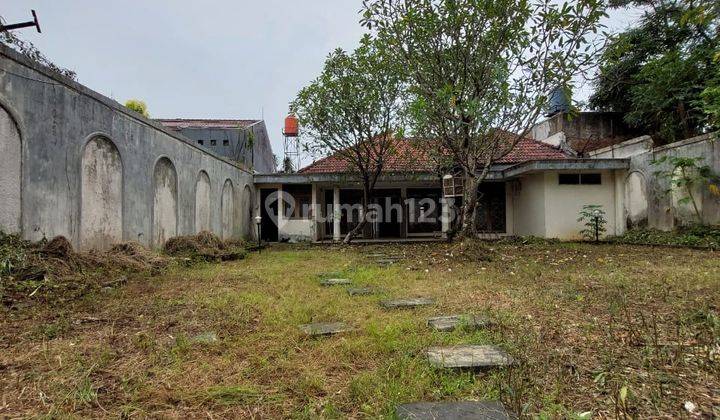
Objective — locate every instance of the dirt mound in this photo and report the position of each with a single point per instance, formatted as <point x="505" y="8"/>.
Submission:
<point x="205" y="246"/>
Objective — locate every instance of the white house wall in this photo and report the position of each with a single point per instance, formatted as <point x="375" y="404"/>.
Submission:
<point x="544" y="208"/>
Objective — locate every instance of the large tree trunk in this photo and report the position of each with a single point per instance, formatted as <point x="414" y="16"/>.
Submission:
<point x="363" y="214"/>
<point x="468" y="228"/>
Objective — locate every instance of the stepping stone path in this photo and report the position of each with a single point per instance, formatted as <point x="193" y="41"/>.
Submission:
<point x="406" y="303"/>
<point x="335" y="282"/>
<point x="449" y="323"/>
<point x="325" y="328"/>
<point x="360" y="291"/>
<point x="488" y="410"/>
<point x="207" y="337"/>
<point x="468" y="356"/>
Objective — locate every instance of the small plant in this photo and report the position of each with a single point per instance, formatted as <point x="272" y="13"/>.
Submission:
<point x="138" y="106"/>
<point x="687" y="175"/>
<point x="592" y="216"/>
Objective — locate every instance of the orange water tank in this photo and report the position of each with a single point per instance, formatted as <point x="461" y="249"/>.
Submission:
<point x="291" y="126"/>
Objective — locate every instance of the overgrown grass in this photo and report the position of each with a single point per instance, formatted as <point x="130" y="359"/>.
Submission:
<point x="610" y="330"/>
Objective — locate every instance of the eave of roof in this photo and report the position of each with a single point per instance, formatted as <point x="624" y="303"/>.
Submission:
<point x="498" y="173"/>
<point x="179" y="123"/>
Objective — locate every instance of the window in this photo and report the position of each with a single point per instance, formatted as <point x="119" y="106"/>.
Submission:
<point x="226" y="143"/>
<point x="302" y="197"/>
<point x="580" y="179"/>
<point x="213" y="142"/>
<point x="201" y="142"/>
<point x="590" y="179"/>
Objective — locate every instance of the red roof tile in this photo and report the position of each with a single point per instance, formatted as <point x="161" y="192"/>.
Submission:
<point x="180" y="123"/>
<point x="410" y="157"/>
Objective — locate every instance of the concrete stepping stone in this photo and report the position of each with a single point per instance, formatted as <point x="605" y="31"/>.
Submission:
<point x="360" y="291"/>
<point x="451" y="322"/>
<point x="468" y="356"/>
<point x="318" y="329"/>
<point x="406" y="303"/>
<point x="335" y="282"/>
<point x="462" y="410"/>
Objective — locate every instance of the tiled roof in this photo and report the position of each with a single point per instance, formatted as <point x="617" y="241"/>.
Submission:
<point x="180" y="123"/>
<point x="411" y="157"/>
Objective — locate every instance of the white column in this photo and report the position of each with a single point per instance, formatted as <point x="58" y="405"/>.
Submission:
<point x="336" y="214"/>
<point x="314" y="210"/>
<point x="445" y="214"/>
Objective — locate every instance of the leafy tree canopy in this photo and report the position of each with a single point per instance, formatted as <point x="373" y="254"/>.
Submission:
<point x="480" y="71"/>
<point x="138" y="106"/>
<point x="656" y="71"/>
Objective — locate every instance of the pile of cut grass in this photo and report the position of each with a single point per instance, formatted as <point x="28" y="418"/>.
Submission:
<point x="53" y="272"/>
<point x="205" y="246"/>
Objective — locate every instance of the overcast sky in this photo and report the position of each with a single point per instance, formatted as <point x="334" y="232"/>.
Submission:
<point x="198" y="59"/>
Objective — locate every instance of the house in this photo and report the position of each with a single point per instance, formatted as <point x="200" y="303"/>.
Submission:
<point x="537" y="189"/>
<point x="244" y="141"/>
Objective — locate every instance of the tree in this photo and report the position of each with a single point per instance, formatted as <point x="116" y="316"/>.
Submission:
<point x="138" y="106"/>
<point x="656" y="71"/>
<point x="352" y="111"/>
<point x="480" y="72"/>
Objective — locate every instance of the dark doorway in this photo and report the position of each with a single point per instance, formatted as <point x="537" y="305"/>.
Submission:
<point x="350" y="205"/>
<point x="424" y="210"/>
<point x="327" y="212"/>
<point x="389" y="224"/>
<point x="491" y="208"/>
<point x="268" y="224"/>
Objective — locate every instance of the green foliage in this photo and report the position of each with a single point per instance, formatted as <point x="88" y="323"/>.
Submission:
<point x="594" y="219"/>
<point x="138" y="106"/>
<point x="353" y="110"/>
<point x="12" y="253"/>
<point x="480" y="71"/>
<point x="658" y="71"/>
<point x="696" y="236"/>
<point x="687" y="175"/>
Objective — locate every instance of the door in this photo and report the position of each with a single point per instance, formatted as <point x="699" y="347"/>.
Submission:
<point x="269" y="215"/>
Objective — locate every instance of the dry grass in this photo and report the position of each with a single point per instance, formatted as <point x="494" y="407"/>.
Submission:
<point x="583" y="321"/>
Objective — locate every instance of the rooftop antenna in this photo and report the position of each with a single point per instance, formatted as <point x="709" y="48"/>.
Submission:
<point x="30" y="23"/>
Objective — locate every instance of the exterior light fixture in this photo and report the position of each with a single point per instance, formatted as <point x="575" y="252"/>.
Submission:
<point x="258" y="221"/>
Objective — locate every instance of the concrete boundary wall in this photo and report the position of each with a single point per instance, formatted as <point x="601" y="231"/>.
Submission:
<point x="646" y="200"/>
<point x="56" y="119"/>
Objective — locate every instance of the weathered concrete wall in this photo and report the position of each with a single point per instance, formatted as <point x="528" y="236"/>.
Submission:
<point x="226" y="208"/>
<point x="202" y="202"/>
<point x="647" y="202"/>
<point x="165" y="202"/>
<point x="55" y="119"/>
<point x="584" y="131"/>
<point x="10" y="181"/>
<point x="101" y="194"/>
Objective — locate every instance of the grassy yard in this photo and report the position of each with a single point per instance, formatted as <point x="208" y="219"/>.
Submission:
<point x="612" y="330"/>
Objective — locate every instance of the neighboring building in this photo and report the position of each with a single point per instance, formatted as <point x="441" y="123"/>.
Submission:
<point x="537" y="189"/>
<point x="583" y="132"/>
<point x="230" y="138"/>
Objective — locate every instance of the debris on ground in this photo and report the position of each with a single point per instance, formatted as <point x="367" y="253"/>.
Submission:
<point x="205" y="246"/>
<point x="53" y="272"/>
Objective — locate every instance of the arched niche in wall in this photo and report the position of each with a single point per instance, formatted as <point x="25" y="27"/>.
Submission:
<point x="101" y="190"/>
<point x="246" y="216"/>
<point x="226" y="210"/>
<point x="636" y="200"/>
<point x="164" y="202"/>
<point x="202" y="203"/>
<point x="10" y="173"/>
